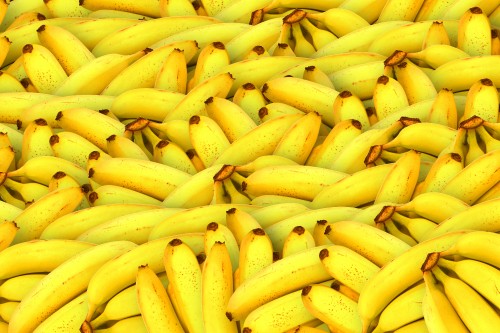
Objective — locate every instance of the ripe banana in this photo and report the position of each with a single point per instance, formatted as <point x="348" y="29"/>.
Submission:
<point x="36" y="141"/>
<point x="389" y="96"/>
<point x="173" y="72"/>
<point x="15" y="288"/>
<point x="437" y="33"/>
<point x="298" y="239"/>
<point x="9" y="230"/>
<point x="481" y="101"/>
<point x="348" y="106"/>
<point x="474" y="33"/>
<point x="399" y="10"/>
<point x="250" y="99"/>
<point x="171" y="154"/>
<point x="148" y="8"/>
<point x="339" y="21"/>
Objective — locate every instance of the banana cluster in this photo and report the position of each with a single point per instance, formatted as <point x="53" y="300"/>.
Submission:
<point x="249" y="166"/>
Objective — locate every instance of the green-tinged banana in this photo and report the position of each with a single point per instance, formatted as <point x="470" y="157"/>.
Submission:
<point x="185" y="276"/>
<point x="399" y="184"/>
<point x="38" y="256"/>
<point x="15" y="288"/>
<point x="460" y="74"/>
<point x="66" y="47"/>
<point x="231" y="118"/>
<point x="404" y="309"/>
<point x="389" y="96"/>
<point x="354" y="190"/>
<point x="347" y="266"/>
<point x="437" y="34"/>
<point x="143" y="72"/>
<point x="397" y="275"/>
<point x="279" y="90"/>
<point x="157" y="180"/>
<point x="482" y="101"/>
<point x="474" y="33"/>
<point x="279" y="230"/>
<point x="8" y="232"/>
<point x="298" y="239"/>
<point x="193" y="103"/>
<point x="298" y="141"/>
<point x="377" y="246"/>
<point x="262" y="140"/>
<point x="115" y="194"/>
<point x="276" y="280"/>
<point x="195" y="219"/>
<point x="36" y="137"/>
<point x="475" y="313"/>
<point x="480" y="175"/>
<point x="249" y="99"/>
<point x="45" y="210"/>
<point x="94" y="76"/>
<point x="348" y="21"/>
<point x="438" y="311"/>
<point x="43" y="68"/>
<point x="172" y="75"/>
<point x="332" y="307"/>
<point x="299" y="181"/>
<point x="399" y="10"/>
<point x="73" y="147"/>
<point x="69" y="279"/>
<point x="155" y="306"/>
<point x="48" y="109"/>
<point x="90" y="124"/>
<point x="349" y="106"/>
<point x="336" y="140"/>
<point x="217" y="288"/>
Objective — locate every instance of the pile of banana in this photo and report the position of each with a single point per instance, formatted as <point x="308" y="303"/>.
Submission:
<point x="267" y="166"/>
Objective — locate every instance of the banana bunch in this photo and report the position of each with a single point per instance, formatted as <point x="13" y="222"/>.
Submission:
<point x="249" y="166"/>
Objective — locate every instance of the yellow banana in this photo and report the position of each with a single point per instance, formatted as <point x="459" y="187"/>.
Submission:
<point x="36" y="141"/>
<point x="169" y="153"/>
<point x="73" y="147"/>
<point x="176" y="8"/>
<point x="71" y="225"/>
<point x="9" y="199"/>
<point x="66" y="47"/>
<point x="438" y="54"/>
<point x="43" y="68"/>
<point x="155" y="306"/>
<point x="148" y="8"/>
<point x="369" y="10"/>
<point x="173" y="72"/>
<point x="433" y="9"/>
<point x="332" y="307"/>
<point x="119" y="146"/>
<point x="250" y="99"/>
<point x="15" y="288"/>
<point x="211" y="59"/>
<point x="94" y="76"/>
<point x="10" y="84"/>
<point x="72" y="8"/>
<point x="9" y="230"/>
<point x="349" y="106"/>
<point x="298" y="239"/>
<point x="399" y="10"/>
<point x="302" y="47"/>
<point x="219" y="232"/>
<point x="319" y="37"/>
<point x="444" y="109"/>
<point x="7" y="310"/>
<point x="38" y="256"/>
<point x="7" y="153"/>
<point x="389" y="96"/>
<point x="339" y="21"/>
<point x="474" y="33"/>
<point x="437" y="34"/>
<point x="314" y="74"/>
<point x="5" y="43"/>
<point x="113" y="194"/>
<point x="70" y="279"/>
<point x="28" y="192"/>
<point x="482" y="101"/>
<point x="415" y="82"/>
<point x="207" y="138"/>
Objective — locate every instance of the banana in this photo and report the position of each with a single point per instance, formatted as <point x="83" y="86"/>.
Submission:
<point x="314" y="74"/>
<point x="180" y="260"/>
<point x="43" y="68"/>
<point x="268" y="283"/>
<point x="297" y="240"/>
<point x="476" y="313"/>
<point x="48" y="109"/>
<point x="114" y="194"/>
<point x="416" y="227"/>
<point x="319" y="233"/>
<point x="397" y="275"/>
<point x="9" y="199"/>
<point x="492" y="193"/>
<point x="482" y="101"/>
<point x="276" y="109"/>
<point x="275" y="213"/>
<point x="59" y="8"/>
<point x="216" y="232"/>
<point x="389" y="96"/>
<point x="438" y="311"/>
<point x="207" y="138"/>
<point x="15" y="288"/>
<point x="240" y="223"/>
<point x="148" y="8"/>
<point x="399" y="183"/>
<point x="26" y="18"/>
<point x="249" y="99"/>
<point x="143" y="72"/>
<point x="5" y="43"/>
<point x="306" y="182"/>
<point x="474" y="33"/>
<point x="399" y="10"/>
<point x="404" y="309"/>
<point x="349" y="106"/>
<point x="155" y="306"/>
<point x="490" y="143"/>
<point x="444" y="109"/>
<point x="256" y="253"/>
<point x="302" y="47"/>
<point x="4" y="5"/>
<point x="341" y="134"/>
<point x="310" y="97"/>
<point x="28" y="192"/>
<point x="36" y="141"/>
<point x="480" y="276"/>
<point x="119" y="146"/>
<point x="319" y="37"/>
<point x="437" y="34"/>
<point x="495" y="42"/>
<point x="169" y="153"/>
<point x="437" y="55"/>
<point x="415" y="82"/>
<point x="369" y="10"/>
<point x="211" y="59"/>
<point x="118" y="171"/>
<point x="94" y="76"/>
<point x="173" y="72"/>
<point x="460" y="74"/>
<point x="433" y="9"/>
<point x="7" y="153"/>
<point x="70" y="279"/>
<point x="481" y="175"/>
<point x="38" y="256"/>
<point x="7" y="309"/>
<point x="10" y="83"/>
<point x="216" y="289"/>
<point x="474" y="151"/>
<point x="66" y="47"/>
<point x="73" y="147"/>
<point x="176" y="8"/>
<point x="332" y="307"/>
<point x="348" y="21"/>
<point x="358" y="40"/>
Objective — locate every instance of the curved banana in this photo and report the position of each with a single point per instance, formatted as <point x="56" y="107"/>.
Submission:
<point x="176" y="8"/>
<point x="444" y="109"/>
<point x="399" y="10"/>
<point x="70" y="279"/>
<point x="73" y="147"/>
<point x="15" y="288"/>
<point x="249" y="99"/>
<point x="402" y="310"/>
<point x="482" y="101"/>
<point x="339" y="21"/>
<point x="349" y="106"/>
<point x="38" y="256"/>
<point x="398" y="275"/>
<point x="94" y="76"/>
<point x="256" y="253"/>
<point x="319" y="37"/>
<point x="211" y="59"/>
<point x="9" y="230"/>
<point x="43" y="68"/>
<point x="119" y="146"/>
<point x="389" y="96"/>
<point x="207" y="139"/>
<point x="10" y="83"/>
<point x="114" y="194"/>
<point x="29" y="192"/>
<point x="416" y="227"/>
<point x="172" y="75"/>
<point x="36" y="137"/>
<point x="240" y="11"/>
<point x="474" y="33"/>
<point x="218" y="232"/>
<point x="416" y="84"/>
<point x="148" y="8"/>
<point x="314" y="74"/>
<point x="169" y="153"/>
<point x="438" y="54"/>
<point x="332" y="307"/>
<point x="437" y="34"/>
<point x="298" y="239"/>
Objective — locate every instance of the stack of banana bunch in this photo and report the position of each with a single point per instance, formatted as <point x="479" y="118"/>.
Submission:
<point x="249" y="166"/>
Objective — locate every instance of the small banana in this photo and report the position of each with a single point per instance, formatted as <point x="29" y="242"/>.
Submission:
<point x="36" y="140"/>
<point x="389" y="96"/>
<point x="437" y="33"/>
<point x="298" y="239"/>
<point x="9" y="230"/>
<point x="348" y="106"/>
<point x="481" y="101"/>
<point x="415" y="82"/>
<point x="73" y="147"/>
<point x="17" y="287"/>
<point x="474" y="32"/>
<point x="250" y="99"/>
<point x="173" y="72"/>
